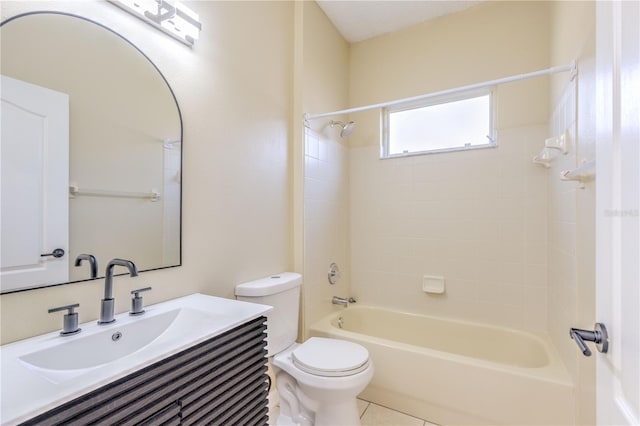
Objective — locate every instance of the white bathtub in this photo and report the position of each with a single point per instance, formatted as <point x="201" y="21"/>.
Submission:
<point x="454" y="372"/>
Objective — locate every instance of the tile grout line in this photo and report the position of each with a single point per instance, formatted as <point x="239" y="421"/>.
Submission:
<point x="366" y="408"/>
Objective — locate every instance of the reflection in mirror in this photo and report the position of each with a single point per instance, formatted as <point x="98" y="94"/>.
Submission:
<point x="91" y="152"/>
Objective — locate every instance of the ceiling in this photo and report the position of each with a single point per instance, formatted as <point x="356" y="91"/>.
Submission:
<point x="359" y="20"/>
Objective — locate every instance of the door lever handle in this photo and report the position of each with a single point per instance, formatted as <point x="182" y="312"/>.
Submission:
<point x="56" y="253"/>
<point x="598" y="336"/>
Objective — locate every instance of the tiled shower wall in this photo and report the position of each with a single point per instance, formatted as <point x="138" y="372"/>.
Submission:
<point x="326" y="223"/>
<point x="562" y="230"/>
<point x="571" y="234"/>
<point x="478" y="218"/>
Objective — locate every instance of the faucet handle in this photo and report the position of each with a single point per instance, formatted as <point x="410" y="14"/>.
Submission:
<point x="137" y="307"/>
<point x="70" y="320"/>
<point x="140" y="290"/>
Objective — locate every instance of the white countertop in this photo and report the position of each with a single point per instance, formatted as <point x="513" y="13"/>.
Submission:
<point x="28" y="392"/>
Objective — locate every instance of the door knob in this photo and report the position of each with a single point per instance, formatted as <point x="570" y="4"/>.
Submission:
<point x="598" y="336"/>
<point x="55" y="253"/>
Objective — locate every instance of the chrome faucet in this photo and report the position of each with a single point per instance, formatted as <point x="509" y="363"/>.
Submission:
<point x="107" y="304"/>
<point x="344" y="301"/>
<point x="93" y="263"/>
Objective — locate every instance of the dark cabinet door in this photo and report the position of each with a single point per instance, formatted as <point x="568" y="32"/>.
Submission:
<point x="221" y="381"/>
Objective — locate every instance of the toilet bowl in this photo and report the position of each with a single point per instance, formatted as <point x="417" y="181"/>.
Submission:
<point x="328" y="376"/>
<point x="317" y="380"/>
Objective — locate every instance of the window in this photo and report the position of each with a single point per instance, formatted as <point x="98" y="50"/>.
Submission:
<point x="451" y="123"/>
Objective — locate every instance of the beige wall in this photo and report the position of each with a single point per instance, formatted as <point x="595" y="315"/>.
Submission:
<point x="234" y="90"/>
<point x="489" y="41"/>
<point x="478" y="218"/>
<point x="572" y="210"/>
<point x="326" y="191"/>
<point x="326" y="66"/>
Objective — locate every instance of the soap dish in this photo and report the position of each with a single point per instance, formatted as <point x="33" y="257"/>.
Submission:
<point x="433" y="284"/>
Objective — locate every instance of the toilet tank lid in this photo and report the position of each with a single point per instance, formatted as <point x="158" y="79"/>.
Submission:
<point x="269" y="285"/>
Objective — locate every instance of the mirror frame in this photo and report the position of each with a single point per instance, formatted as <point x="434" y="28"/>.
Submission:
<point x="173" y="95"/>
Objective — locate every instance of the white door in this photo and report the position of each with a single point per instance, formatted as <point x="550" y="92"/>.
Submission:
<point x="618" y="210"/>
<point x="35" y="185"/>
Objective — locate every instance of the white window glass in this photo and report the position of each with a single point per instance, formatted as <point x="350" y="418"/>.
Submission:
<point x="442" y="126"/>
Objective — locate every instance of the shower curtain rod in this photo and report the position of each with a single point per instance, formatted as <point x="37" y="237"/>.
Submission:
<point x="572" y="67"/>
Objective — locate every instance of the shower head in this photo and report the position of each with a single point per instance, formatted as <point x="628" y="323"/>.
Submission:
<point x="346" y="128"/>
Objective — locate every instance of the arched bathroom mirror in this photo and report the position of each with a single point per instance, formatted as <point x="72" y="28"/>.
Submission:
<point x="117" y="193"/>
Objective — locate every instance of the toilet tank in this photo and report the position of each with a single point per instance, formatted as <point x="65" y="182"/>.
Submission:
<point x="282" y="291"/>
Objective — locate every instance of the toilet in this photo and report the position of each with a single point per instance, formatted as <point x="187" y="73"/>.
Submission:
<point x="318" y="380"/>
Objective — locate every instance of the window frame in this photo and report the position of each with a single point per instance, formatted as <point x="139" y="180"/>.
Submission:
<point x="438" y="100"/>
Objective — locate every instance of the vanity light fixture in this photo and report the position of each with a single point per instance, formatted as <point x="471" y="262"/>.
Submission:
<point x="171" y="17"/>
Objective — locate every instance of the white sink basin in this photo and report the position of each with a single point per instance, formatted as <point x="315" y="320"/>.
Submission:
<point x="112" y="344"/>
<point x="43" y="372"/>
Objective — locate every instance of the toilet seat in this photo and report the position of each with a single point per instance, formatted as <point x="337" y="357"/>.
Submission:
<point x="330" y="357"/>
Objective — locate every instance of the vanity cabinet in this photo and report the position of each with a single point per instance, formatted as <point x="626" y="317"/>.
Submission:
<point x="221" y="381"/>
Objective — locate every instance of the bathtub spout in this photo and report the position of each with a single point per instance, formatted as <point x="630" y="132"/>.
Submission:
<point x="344" y="301"/>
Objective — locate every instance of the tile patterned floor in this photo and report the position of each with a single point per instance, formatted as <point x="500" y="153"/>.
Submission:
<point x="375" y="415"/>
